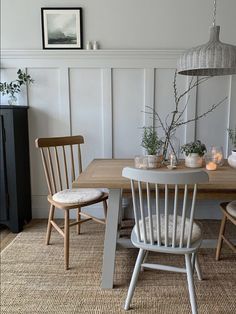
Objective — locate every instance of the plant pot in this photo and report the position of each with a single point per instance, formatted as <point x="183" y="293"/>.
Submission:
<point x="193" y="161"/>
<point x="152" y="161"/>
<point x="232" y="159"/>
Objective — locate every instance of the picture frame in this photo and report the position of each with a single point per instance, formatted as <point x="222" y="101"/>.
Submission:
<point x="62" y="28"/>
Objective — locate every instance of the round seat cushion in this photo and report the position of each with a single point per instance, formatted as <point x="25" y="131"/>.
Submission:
<point x="196" y="230"/>
<point x="231" y="208"/>
<point x="71" y="196"/>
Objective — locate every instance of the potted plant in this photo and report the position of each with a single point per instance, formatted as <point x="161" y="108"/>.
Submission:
<point x="152" y="144"/>
<point x="232" y="157"/>
<point x="194" y="153"/>
<point x="14" y="87"/>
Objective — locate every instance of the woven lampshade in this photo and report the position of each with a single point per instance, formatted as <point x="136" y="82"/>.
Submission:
<point x="211" y="59"/>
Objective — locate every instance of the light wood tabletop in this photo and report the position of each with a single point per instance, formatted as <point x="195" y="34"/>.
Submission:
<point x="107" y="173"/>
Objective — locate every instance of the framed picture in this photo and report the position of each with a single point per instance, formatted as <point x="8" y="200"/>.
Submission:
<point x="62" y="28"/>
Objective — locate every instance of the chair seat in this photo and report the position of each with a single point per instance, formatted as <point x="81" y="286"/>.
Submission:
<point x="196" y="231"/>
<point x="231" y="208"/>
<point x="71" y="196"/>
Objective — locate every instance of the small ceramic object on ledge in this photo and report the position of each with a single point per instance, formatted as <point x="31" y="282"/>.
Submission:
<point x="95" y="45"/>
<point x="89" y="45"/>
<point x="193" y="160"/>
<point x="232" y="159"/>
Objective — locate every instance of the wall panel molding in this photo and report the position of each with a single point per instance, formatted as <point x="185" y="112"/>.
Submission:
<point x="90" y="58"/>
<point x="107" y="120"/>
<point x="102" y="94"/>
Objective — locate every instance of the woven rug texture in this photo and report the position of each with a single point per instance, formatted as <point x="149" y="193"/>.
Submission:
<point x="33" y="279"/>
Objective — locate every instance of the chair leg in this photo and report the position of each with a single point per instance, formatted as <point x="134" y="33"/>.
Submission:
<point x="134" y="278"/>
<point x="105" y="209"/>
<point x="191" y="284"/>
<point x="220" y="239"/>
<point x="144" y="260"/>
<point x="197" y="267"/>
<point x="66" y="240"/>
<point x="78" y="219"/>
<point x="49" y="227"/>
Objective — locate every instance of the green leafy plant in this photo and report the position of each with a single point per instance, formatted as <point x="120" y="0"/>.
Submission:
<point x="151" y="141"/>
<point x="232" y="136"/>
<point x="194" y="148"/>
<point x="14" y="87"/>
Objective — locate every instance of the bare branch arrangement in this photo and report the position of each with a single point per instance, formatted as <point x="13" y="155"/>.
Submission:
<point x="175" y="119"/>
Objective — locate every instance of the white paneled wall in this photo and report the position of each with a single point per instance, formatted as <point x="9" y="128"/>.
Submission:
<point x="102" y="95"/>
<point x="213" y="128"/>
<point x="128" y="107"/>
<point x="86" y="110"/>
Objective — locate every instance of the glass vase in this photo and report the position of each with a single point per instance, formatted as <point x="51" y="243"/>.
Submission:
<point x="171" y="146"/>
<point x="217" y="154"/>
<point x="12" y="100"/>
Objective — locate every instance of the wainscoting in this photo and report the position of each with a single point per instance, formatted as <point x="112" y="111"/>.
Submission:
<point x="103" y="96"/>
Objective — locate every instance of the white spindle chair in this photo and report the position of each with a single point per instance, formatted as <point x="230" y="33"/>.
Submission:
<point x="60" y="156"/>
<point x="165" y="232"/>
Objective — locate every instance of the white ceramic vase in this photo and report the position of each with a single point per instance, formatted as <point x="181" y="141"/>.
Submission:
<point x="232" y="159"/>
<point x="193" y="161"/>
<point x="152" y="161"/>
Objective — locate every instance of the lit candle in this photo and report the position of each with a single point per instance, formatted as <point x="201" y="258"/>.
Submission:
<point x="211" y="166"/>
<point x="217" y="157"/>
<point x="171" y="160"/>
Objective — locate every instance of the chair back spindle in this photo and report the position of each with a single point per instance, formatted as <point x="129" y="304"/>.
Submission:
<point x="60" y="162"/>
<point x="162" y="225"/>
<point x="142" y="212"/>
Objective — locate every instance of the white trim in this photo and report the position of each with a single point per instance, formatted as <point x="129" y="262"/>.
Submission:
<point x="107" y="113"/>
<point x="65" y="94"/>
<point x="36" y="54"/>
<point x="92" y="58"/>
<point x="191" y="110"/>
<point x="230" y="119"/>
<point x="149" y="94"/>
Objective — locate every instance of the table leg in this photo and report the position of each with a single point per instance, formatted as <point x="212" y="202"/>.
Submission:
<point x="109" y="252"/>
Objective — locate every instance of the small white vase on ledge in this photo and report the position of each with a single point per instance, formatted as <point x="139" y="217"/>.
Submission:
<point x="193" y="160"/>
<point x="232" y="159"/>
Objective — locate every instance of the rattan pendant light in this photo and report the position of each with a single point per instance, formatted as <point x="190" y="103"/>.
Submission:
<point x="211" y="59"/>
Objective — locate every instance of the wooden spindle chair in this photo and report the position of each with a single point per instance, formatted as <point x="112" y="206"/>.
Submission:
<point x="160" y="228"/>
<point x="61" y="157"/>
<point x="229" y="215"/>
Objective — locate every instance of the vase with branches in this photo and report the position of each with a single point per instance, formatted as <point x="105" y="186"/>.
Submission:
<point x="175" y="119"/>
<point x="14" y="87"/>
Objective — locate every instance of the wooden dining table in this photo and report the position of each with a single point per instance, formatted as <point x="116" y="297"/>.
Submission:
<point x="107" y="173"/>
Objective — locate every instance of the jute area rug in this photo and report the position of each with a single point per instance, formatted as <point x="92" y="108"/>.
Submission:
<point x="33" y="279"/>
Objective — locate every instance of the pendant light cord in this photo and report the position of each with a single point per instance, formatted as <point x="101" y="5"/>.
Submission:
<point x="214" y="14"/>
